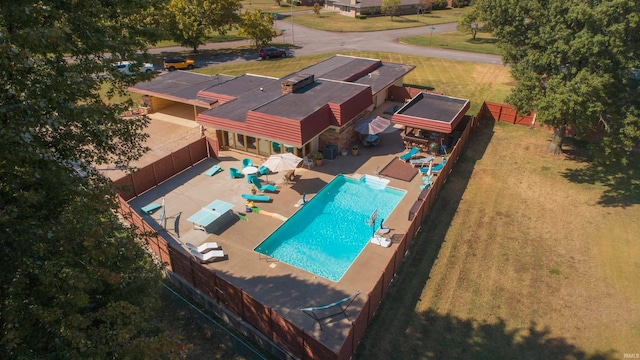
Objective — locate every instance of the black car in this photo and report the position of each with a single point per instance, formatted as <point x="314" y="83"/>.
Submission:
<point x="272" y="52"/>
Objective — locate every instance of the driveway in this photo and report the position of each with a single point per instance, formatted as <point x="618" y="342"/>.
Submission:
<point x="310" y="41"/>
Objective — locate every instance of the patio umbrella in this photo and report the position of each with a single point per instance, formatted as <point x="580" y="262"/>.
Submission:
<point x="282" y="162"/>
<point x="371" y="126"/>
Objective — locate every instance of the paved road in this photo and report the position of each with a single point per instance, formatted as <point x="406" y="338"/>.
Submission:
<point x="310" y="41"/>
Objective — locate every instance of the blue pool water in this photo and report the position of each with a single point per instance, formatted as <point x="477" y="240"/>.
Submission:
<point x="328" y="233"/>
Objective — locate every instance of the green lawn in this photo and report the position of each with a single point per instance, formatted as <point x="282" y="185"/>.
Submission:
<point x="335" y="22"/>
<point x="483" y="43"/>
<point x="476" y="82"/>
<point x="525" y="255"/>
<point x="271" y="6"/>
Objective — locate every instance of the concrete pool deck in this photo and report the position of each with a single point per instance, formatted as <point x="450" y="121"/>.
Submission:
<point x="280" y="286"/>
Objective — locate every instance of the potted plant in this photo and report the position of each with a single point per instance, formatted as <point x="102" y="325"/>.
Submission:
<point x="354" y="150"/>
<point x="343" y="152"/>
<point x="254" y="189"/>
<point x="318" y="158"/>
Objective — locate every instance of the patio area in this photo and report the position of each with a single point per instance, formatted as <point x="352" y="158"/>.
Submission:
<point x="284" y="288"/>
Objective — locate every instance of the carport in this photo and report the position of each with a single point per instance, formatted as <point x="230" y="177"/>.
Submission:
<point x="175" y="96"/>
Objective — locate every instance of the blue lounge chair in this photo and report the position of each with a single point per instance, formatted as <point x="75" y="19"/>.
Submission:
<point x="151" y="208"/>
<point x="263" y="170"/>
<point x="252" y="197"/>
<point x="262" y="188"/>
<point x="434" y="168"/>
<point x="410" y="154"/>
<point x="235" y="173"/>
<point x="213" y="170"/>
<point x="246" y="162"/>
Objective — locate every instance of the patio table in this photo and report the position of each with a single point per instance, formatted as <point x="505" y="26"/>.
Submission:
<point x="209" y="214"/>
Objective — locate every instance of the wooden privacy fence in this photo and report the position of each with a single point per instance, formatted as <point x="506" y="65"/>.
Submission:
<point x="268" y="322"/>
<point x="151" y="175"/>
<point x="504" y="113"/>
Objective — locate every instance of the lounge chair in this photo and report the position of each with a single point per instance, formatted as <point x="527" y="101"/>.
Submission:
<point x="246" y="162"/>
<point x="151" y="208"/>
<point x="252" y="197"/>
<point x="414" y="150"/>
<point x="235" y="173"/>
<point x="262" y="188"/>
<point x="209" y="256"/>
<point x="421" y="161"/>
<point x="213" y="170"/>
<point x="204" y="247"/>
<point x="263" y="170"/>
<point x="435" y="168"/>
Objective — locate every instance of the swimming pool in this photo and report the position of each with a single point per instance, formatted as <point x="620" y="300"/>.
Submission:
<point x="328" y="233"/>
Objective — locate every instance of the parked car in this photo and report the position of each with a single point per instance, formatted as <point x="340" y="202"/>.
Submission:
<point x="125" y="67"/>
<point x="172" y="64"/>
<point x="272" y="52"/>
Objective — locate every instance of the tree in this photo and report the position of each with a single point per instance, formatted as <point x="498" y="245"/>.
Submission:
<point x="317" y="8"/>
<point x="74" y="280"/>
<point x="258" y="27"/>
<point x="425" y="6"/>
<point x="189" y="22"/>
<point x="390" y="7"/>
<point x="572" y="61"/>
<point x="472" y="23"/>
<point x="279" y="2"/>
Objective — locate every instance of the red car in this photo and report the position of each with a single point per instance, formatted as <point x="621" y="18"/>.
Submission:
<point x="272" y="52"/>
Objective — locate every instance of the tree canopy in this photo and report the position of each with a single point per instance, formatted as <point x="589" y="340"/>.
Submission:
<point x="572" y="61"/>
<point x="258" y="27"/>
<point x="190" y="22"/>
<point x="472" y="23"/>
<point x="390" y="7"/>
<point x="75" y="281"/>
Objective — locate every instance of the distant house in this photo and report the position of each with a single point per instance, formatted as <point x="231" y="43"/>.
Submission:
<point x="372" y="7"/>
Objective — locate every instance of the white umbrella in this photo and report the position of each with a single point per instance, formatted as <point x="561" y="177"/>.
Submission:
<point x="282" y="162"/>
<point x="372" y="126"/>
<point x="430" y="167"/>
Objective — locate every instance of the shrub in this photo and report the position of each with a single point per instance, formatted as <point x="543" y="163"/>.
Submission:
<point x="361" y="16"/>
<point x="439" y="4"/>
<point x="460" y="3"/>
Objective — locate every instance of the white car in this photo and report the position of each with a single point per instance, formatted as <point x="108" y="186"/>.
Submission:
<point x="124" y="66"/>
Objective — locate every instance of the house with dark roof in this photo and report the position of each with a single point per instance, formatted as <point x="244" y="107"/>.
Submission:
<point x="304" y="111"/>
<point x="301" y="112"/>
<point x="372" y="7"/>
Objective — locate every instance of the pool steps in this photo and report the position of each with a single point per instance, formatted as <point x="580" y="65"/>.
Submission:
<point x="374" y="182"/>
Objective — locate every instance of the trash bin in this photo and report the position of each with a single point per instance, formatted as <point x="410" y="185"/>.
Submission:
<point x="330" y="152"/>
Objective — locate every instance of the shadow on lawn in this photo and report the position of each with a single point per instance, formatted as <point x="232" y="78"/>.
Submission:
<point x="621" y="183"/>
<point x="398" y="332"/>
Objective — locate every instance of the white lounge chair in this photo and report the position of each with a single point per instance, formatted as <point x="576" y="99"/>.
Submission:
<point x="209" y="256"/>
<point x="204" y="247"/>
